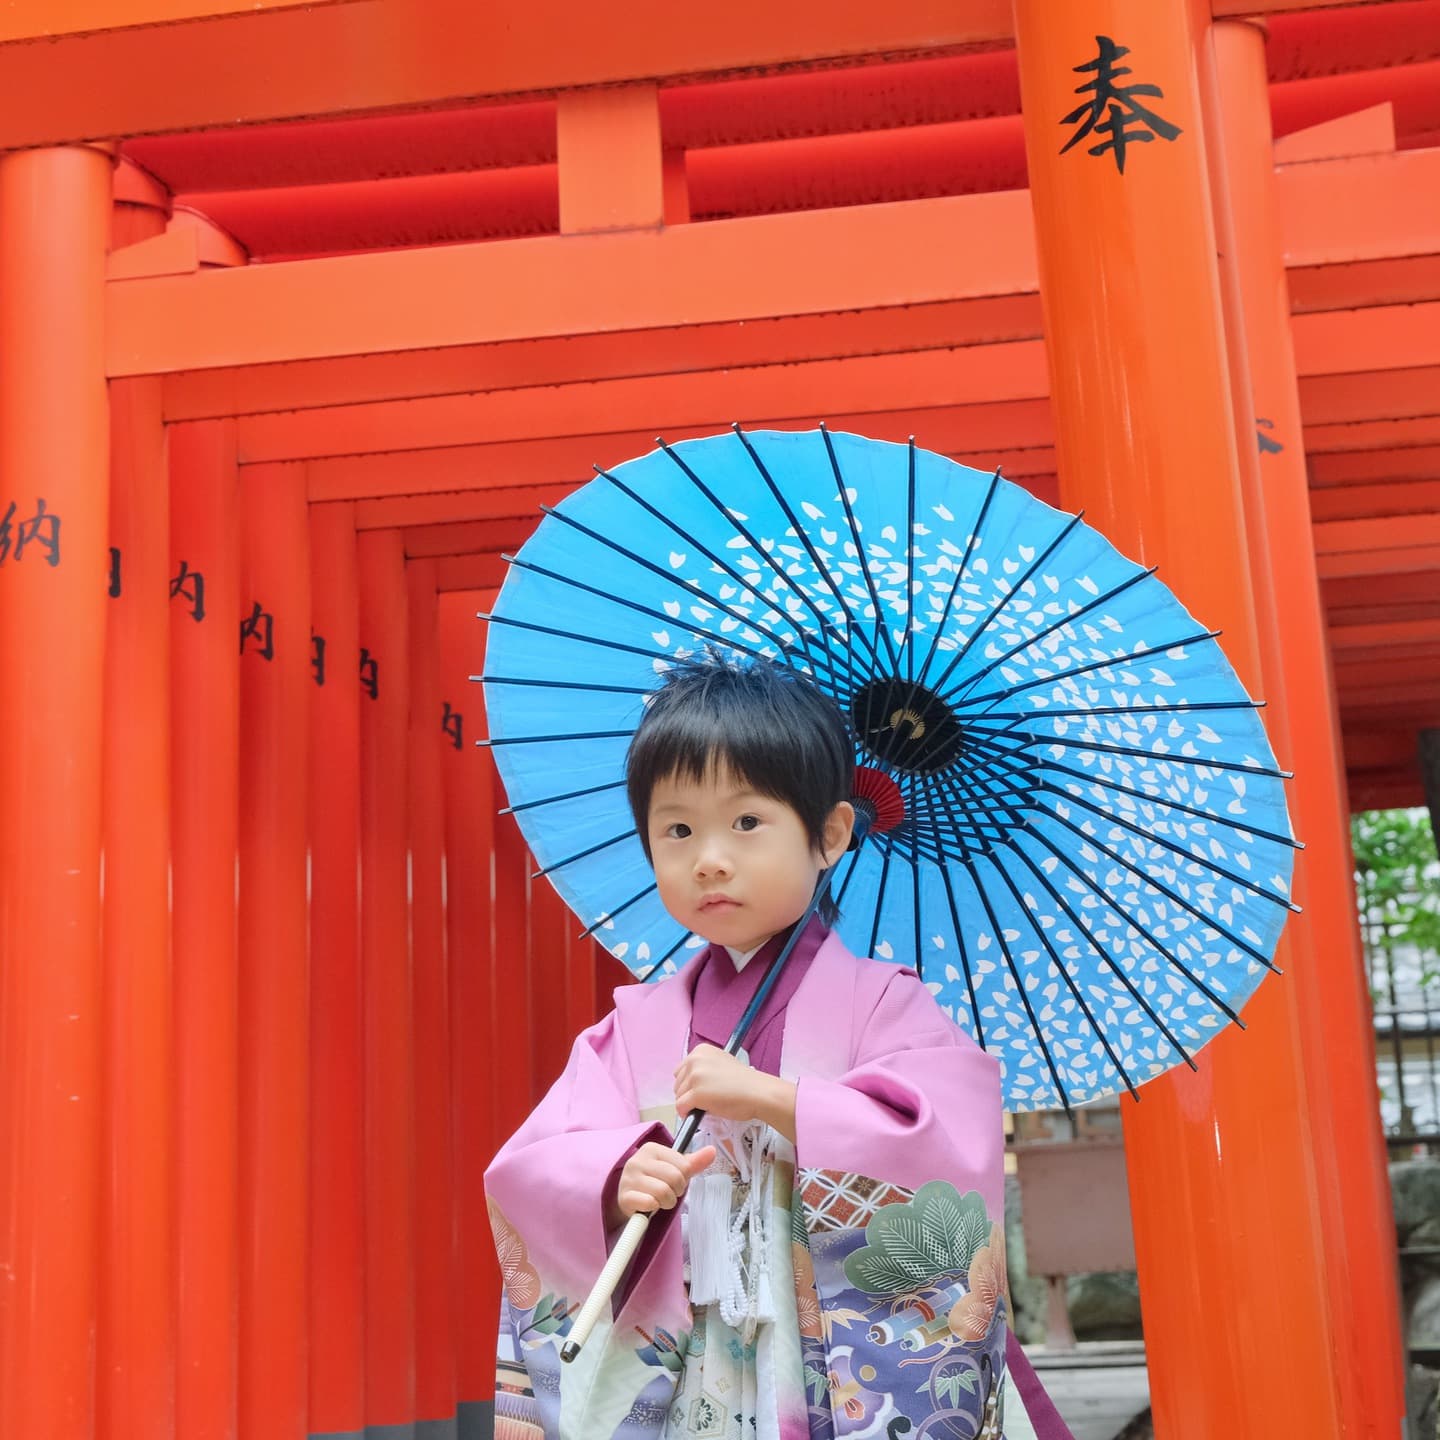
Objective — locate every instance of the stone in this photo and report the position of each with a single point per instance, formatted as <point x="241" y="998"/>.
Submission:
<point x="1027" y="1292"/>
<point x="1105" y="1306"/>
<point x="1415" y="1194"/>
<point x="1422" y="1388"/>
<point x="1424" y="1332"/>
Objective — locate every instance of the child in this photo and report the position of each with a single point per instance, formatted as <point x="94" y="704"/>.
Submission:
<point x="839" y="1263"/>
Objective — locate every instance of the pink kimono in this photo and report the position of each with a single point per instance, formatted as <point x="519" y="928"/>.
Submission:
<point x="890" y="1304"/>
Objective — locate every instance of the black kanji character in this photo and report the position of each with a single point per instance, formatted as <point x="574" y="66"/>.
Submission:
<point x="260" y="626"/>
<point x="191" y="584"/>
<point x="453" y="724"/>
<point x="1113" y="110"/>
<point x="42" y="528"/>
<point x="370" y="674"/>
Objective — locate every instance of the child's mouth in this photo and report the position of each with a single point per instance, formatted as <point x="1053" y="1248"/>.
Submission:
<point x="717" y="902"/>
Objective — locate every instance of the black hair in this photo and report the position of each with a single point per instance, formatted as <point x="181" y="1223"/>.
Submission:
<point x="767" y="724"/>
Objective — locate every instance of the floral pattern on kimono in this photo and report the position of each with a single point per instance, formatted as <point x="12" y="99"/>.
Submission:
<point x="908" y="1325"/>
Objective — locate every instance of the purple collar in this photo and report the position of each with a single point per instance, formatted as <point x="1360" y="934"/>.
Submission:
<point x="721" y="994"/>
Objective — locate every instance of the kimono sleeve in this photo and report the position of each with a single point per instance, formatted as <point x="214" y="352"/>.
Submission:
<point x="921" y="1101"/>
<point x="546" y="1186"/>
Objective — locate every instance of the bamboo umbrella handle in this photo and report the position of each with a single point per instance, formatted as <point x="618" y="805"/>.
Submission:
<point x="609" y="1278"/>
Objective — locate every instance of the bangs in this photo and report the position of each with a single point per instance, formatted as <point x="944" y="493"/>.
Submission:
<point x="769" y="727"/>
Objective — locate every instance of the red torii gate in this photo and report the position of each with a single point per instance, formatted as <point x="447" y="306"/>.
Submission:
<point x="422" y="400"/>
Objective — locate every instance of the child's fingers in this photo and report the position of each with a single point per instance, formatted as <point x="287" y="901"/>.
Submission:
<point x="700" y="1160"/>
<point x="649" y="1192"/>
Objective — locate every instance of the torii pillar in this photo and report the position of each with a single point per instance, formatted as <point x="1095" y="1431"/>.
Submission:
<point x="1228" y="1232"/>
<point x="54" y="503"/>
<point x="1337" y="1025"/>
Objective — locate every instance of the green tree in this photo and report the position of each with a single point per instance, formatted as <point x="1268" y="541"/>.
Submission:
<point x="1399" y="894"/>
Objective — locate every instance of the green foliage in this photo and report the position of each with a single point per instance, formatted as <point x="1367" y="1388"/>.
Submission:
<point x="947" y="1386"/>
<point x="907" y="1246"/>
<point x="1395" y="865"/>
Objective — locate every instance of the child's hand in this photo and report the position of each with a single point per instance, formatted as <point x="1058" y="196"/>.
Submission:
<point x="713" y="1080"/>
<point x="655" y="1177"/>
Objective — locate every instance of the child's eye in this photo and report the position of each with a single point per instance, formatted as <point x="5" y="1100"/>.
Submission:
<point x="678" y="831"/>
<point x="747" y="822"/>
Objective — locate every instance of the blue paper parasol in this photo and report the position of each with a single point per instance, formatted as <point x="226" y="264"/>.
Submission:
<point x="1093" y="870"/>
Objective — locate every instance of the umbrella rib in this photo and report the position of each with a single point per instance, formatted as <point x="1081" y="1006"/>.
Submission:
<point x="1162" y="757"/>
<point x="704" y="596"/>
<point x="556" y="799"/>
<point x="879" y="902"/>
<point x="882" y="629"/>
<point x="960" y="574"/>
<point x="1150" y="939"/>
<point x="1065" y="975"/>
<point x="932" y="817"/>
<point x="582" y="854"/>
<point x="964" y="954"/>
<point x="491" y="741"/>
<point x="849" y="875"/>
<point x="969" y="798"/>
<point x="1180" y="707"/>
<point x="997" y="610"/>
<point x="705" y="550"/>
<point x="609" y="915"/>
<point x="1103" y="953"/>
<point x="1294" y="844"/>
<point x="908" y="645"/>
<point x="1105" y="664"/>
<point x="1019" y="986"/>
<point x="679" y="944"/>
<point x="1205" y="920"/>
<point x="493" y="619"/>
<point x="564" y="685"/>
<point x="1252" y="886"/>
<point x="1059" y="624"/>
<point x="657" y="615"/>
<point x="803" y="536"/>
<point x="915" y="911"/>
<point x="779" y="570"/>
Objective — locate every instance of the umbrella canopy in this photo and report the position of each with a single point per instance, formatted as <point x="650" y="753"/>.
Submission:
<point x="1093" y="870"/>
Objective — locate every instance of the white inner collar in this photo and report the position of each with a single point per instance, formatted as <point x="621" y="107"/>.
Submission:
<point x="740" y="958"/>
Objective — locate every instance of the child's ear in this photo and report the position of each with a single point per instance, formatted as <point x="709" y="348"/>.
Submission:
<point x="839" y="826"/>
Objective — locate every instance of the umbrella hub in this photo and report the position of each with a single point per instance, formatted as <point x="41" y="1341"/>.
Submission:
<point x="906" y="726"/>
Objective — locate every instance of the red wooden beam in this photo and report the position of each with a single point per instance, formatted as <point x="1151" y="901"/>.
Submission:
<point x="1412" y="560"/>
<point x="462" y="369"/>
<point x="1006" y="379"/>
<point x="1359" y="501"/>
<point x="468" y="538"/>
<point x="1404" y="394"/>
<point x="937" y="250"/>
<point x="1401" y="281"/>
<point x="1373" y="435"/>
<point x="364" y="147"/>
<point x="247" y="69"/>
<point x="1409" y="463"/>
<point x="42" y="20"/>
<point x="457" y="507"/>
<point x="1392" y="532"/>
<point x="801" y="264"/>
<point x="469" y="572"/>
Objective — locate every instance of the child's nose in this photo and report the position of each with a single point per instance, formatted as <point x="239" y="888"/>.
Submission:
<point x="712" y="860"/>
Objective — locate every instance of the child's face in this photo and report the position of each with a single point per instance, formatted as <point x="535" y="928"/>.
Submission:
<point x="733" y="865"/>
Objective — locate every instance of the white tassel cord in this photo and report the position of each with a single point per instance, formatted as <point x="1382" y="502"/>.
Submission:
<point x="730" y="1243"/>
